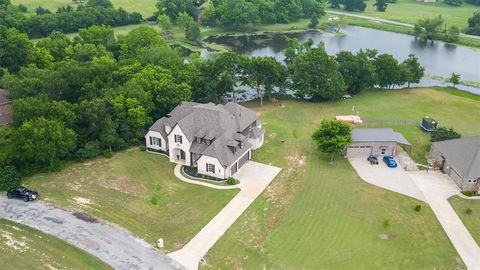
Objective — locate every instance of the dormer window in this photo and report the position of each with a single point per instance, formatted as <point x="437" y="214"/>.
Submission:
<point x="207" y="142"/>
<point x="241" y="145"/>
<point x="199" y="140"/>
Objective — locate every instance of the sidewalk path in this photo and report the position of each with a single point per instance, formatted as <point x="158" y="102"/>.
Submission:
<point x="254" y="178"/>
<point x="385" y="21"/>
<point x="111" y="245"/>
<point x="437" y="188"/>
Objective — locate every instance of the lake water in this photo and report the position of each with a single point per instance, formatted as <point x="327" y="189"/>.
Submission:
<point x="438" y="58"/>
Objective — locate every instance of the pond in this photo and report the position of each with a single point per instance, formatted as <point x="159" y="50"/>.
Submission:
<point x="440" y="59"/>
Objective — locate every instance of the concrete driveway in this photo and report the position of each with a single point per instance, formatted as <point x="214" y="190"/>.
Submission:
<point x="393" y="179"/>
<point x="111" y="245"/>
<point x="254" y="178"/>
<point x="437" y="188"/>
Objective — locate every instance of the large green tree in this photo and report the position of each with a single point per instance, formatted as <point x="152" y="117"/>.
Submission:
<point x="15" y="48"/>
<point x="387" y="70"/>
<point x="428" y="28"/>
<point x="315" y="74"/>
<point x="43" y="142"/>
<point x="332" y="137"/>
<point x="414" y="70"/>
<point x="237" y="13"/>
<point x="265" y="73"/>
<point x="357" y="70"/>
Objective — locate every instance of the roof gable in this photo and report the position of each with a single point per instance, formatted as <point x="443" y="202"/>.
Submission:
<point x="463" y="154"/>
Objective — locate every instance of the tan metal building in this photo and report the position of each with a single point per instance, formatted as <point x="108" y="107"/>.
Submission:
<point x="374" y="141"/>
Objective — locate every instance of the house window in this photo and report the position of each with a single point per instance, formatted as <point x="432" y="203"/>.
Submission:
<point x="383" y="150"/>
<point x="241" y="144"/>
<point x="210" y="168"/>
<point x="178" y="139"/>
<point x="155" y="141"/>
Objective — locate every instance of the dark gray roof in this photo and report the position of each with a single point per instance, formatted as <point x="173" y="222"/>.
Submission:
<point x="377" y="135"/>
<point x="462" y="154"/>
<point x="221" y="124"/>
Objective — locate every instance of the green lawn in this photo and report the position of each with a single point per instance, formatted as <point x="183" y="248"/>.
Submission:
<point x="145" y="7"/>
<point x="317" y="215"/>
<point x="410" y="11"/>
<point x="138" y="191"/>
<point x="22" y="247"/>
<point x="472" y="220"/>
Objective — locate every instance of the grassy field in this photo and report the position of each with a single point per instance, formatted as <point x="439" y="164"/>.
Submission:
<point x="138" y="191"/>
<point x="317" y="215"/>
<point x="22" y="247"/>
<point x="410" y="11"/>
<point x="145" y="7"/>
<point x="472" y="220"/>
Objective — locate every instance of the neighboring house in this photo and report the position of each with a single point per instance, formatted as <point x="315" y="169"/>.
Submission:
<point x="374" y="141"/>
<point x="218" y="139"/>
<point x="460" y="159"/>
<point x="5" y="109"/>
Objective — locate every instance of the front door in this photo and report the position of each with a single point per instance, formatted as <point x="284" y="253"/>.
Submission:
<point x="182" y="155"/>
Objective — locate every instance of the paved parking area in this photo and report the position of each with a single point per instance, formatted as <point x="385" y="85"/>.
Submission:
<point x="111" y="245"/>
<point x="254" y="178"/>
<point x="393" y="179"/>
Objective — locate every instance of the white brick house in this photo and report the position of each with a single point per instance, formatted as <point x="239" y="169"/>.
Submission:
<point x="217" y="139"/>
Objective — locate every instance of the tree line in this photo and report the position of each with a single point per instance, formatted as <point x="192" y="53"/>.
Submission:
<point x="65" y="19"/>
<point x="97" y="93"/>
<point x="238" y="14"/>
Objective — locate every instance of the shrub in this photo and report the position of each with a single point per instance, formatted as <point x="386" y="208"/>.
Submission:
<point x="142" y="148"/>
<point x="443" y="134"/>
<point x="9" y="178"/>
<point x="153" y="200"/>
<point x="231" y="181"/>
<point x="418" y="207"/>
<point x="108" y="154"/>
<point x="468" y="211"/>
<point x="386" y="223"/>
<point x="90" y="150"/>
<point x="468" y="193"/>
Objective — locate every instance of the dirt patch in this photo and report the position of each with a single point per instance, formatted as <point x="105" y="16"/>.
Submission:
<point x="11" y="242"/>
<point x="82" y="201"/>
<point x="85" y="217"/>
<point x="74" y="186"/>
<point x="295" y="162"/>
<point x="272" y="135"/>
<point x="121" y="183"/>
<point x="386" y="236"/>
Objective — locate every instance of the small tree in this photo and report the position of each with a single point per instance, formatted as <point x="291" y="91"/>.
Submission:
<point x="314" y="21"/>
<point x="454" y="79"/>
<point x="452" y="34"/>
<point x="381" y="5"/>
<point x="333" y="137"/>
<point x="164" y="22"/>
<point x="443" y="134"/>
<point x="192" y="31"/>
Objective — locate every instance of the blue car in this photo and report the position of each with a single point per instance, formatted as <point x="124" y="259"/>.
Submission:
<point x="390" y="161"/>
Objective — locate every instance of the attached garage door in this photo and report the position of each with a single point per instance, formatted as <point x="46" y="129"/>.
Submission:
<point x="359" y="151"/>
<point x="233" y="169"/>
<point x="243" y="159"/>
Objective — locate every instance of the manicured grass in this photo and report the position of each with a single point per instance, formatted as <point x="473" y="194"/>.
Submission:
<point x="410" y="11"/>
<point x="22" y="247"/>
<point x="472" y="220"/>
<point x="317" y="215"/>
<point x="138" y="191"/>
<point x="145" y="7"/>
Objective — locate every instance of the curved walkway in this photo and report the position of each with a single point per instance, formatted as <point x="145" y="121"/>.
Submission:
<point x="111" y="245"/>
<point x="385" y="21"/>
<point x="180" y="176"/>
<point x="254" y="178"/>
